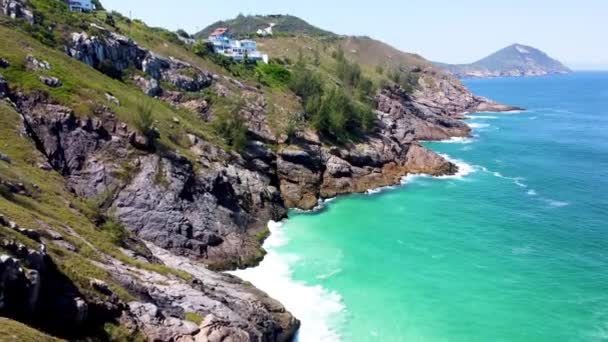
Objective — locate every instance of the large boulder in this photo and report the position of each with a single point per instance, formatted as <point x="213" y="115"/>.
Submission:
<point x="16" y="9"/>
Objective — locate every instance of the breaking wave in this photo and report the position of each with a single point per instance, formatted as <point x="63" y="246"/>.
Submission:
<point x="318" y="308"/>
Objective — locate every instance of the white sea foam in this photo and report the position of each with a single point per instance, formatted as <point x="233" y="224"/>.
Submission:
<point x="378" y="190"/>
<point x="482" y="117"/>
<point x="516" y="180"/>
<point x="532" y="192"/>
<point x="478" y="125"/>
<point x="315" y="306"/>
<point x="464" y="169"/>
<point x="555" y="203"/>
<point x="458" y="140"/>
<point x="329" y="274"/>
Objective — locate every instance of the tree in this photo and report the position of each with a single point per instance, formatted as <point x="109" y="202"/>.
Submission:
<point x="183" y="33"/>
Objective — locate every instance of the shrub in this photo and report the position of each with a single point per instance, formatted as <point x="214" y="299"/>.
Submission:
<point x="115" y="231"/>
<point x="272" y="75"/>
<point x="144" y="121"/>
<point x="229" y="125"/>
<point x="305" y="83"/>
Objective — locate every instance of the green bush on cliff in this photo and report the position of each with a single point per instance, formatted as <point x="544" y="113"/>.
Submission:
<point x="272" y="75"/>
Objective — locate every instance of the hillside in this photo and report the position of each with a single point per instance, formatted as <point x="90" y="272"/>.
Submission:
<point x="512" y="61"/>
<point x="248" y="25"/>
<point x="134" y="167"/>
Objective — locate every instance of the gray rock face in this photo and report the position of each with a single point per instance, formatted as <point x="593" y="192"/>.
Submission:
<point x="211" y="214"/>
<point x="5" y="158"/>
<point x="70" y="144"/>
<point x="52" y="82"/>
<point x="34" y="64"/>
<point x="110" y="52"/>
<point x="182" y="75"/>
<point x="4" y="89"/>
<point x="109" y="49"/>
<point x="16" y="9"/>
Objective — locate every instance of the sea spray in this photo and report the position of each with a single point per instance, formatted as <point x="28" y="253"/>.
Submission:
<point x="317" y="308"/>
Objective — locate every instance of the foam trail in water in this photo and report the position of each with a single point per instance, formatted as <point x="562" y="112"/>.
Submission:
<point x="482" y="117"/>
<point x="554" y="203"/>
<point x="478" y="125"/>
<point x="315" y="306"/>
<point x="457" y="140"/>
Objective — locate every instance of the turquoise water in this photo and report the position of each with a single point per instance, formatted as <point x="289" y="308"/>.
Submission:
<point x="513" y="249"/>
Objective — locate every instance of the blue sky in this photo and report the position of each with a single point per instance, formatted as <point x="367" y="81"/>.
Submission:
<point x="453" y="31"/>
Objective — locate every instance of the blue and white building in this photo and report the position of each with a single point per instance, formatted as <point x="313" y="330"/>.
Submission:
<point x="236" y="49"/>
<point x="80" y="5"/>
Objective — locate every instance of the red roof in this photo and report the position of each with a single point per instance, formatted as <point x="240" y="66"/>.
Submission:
<point x="219" y="31"/>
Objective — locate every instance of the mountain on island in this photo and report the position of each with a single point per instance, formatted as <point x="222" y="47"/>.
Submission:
<point x="516" y="60"/>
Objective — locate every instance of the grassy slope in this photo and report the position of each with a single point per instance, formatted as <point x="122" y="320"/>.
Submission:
<point x="14" y="331"/>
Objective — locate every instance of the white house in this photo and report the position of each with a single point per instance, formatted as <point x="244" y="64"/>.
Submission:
<point x="235" y="49"/>
<point x="266" y="31"/>
<point x="80" y="5"/>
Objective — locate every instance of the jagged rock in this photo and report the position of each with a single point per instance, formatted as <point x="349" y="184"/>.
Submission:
<point x="174" y="71"/>
<point x="157" y="327"/>
<point x="109" y="52"/>
<point x="113" y="99"/>
<point x="239" y="307"/>
<point x="150" y="87"/>
<point x="4" y="63"/>
<point x="52" y="82"/>
<point x="30" y="233"/>
<point x="199" y="213"/>
<point x="16" y="9"/>
<point x="67" y="142"/>
<point x="5" y="158"/>
<point x="217" y="330"/>
<point x="4" y="89"/>
<point x="33" y="64"/>
<point x="101" y="286"/>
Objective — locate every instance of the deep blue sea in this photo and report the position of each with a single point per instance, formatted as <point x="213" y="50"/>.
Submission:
<point x="514" y="248"/>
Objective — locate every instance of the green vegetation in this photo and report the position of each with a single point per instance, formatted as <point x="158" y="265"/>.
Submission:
<point x="334" y="111"/>
<point x="14" y="331"/>
<point x="194" y="317"/>
<point x="272" y="75"/>
<point x="144" y="121"/>
<point x="246" y="26"/>
<point x="230" y="125"/>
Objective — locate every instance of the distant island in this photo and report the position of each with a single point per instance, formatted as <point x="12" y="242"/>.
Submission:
<point x="516" y="60"/>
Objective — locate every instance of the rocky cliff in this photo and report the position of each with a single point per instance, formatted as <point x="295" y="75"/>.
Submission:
<point x="129" y="222"/>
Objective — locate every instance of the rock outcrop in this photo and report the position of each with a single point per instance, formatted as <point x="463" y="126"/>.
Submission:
<point x="113" y="53"/>
<point x="16" y="9"/>
<point x="32" y="289"/>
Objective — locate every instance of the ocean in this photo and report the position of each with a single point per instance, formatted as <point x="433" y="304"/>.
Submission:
<point x="513" y="248"/>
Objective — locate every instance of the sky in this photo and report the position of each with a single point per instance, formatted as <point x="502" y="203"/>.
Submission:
<point x="450" y="31"/>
